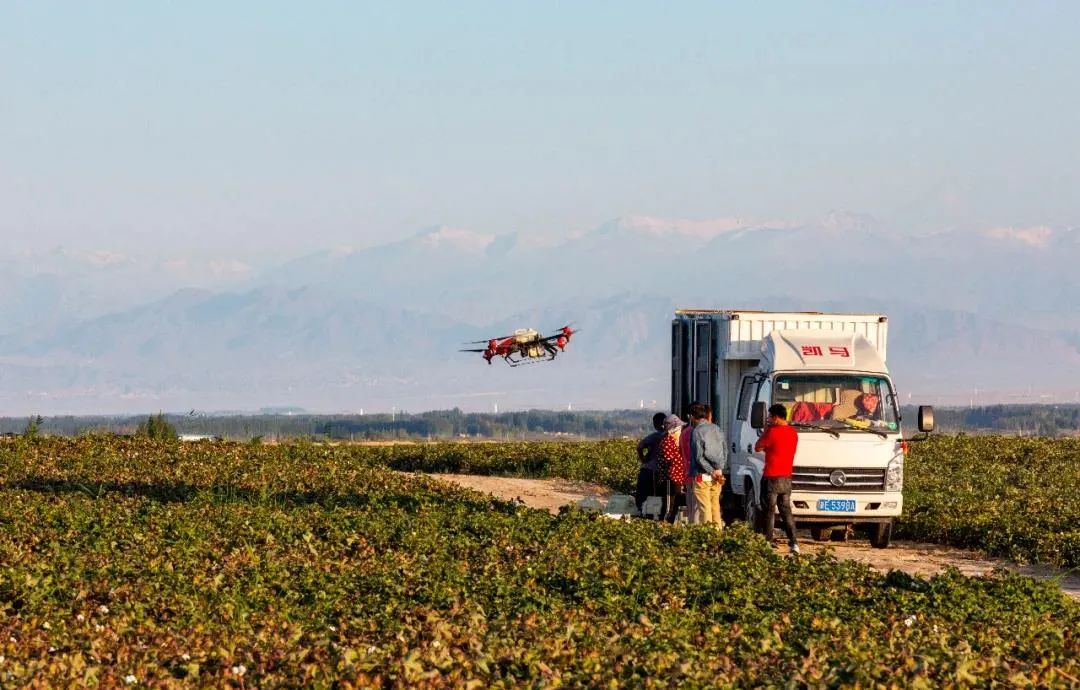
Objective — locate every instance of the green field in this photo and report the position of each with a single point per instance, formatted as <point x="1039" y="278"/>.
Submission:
<point x="1011" y="497"/>
<point x="132" y="563"/>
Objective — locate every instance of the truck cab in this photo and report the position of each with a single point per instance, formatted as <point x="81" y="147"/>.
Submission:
<point x="829" y="372"/>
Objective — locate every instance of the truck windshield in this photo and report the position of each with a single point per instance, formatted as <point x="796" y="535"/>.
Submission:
<point x="837" y="401"/>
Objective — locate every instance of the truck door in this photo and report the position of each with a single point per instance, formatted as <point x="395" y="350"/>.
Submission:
<point x="693" y="364"/>
<point x="704" y="363"/>
<point x="680" y="367"/>
<point x="743" y="436"/>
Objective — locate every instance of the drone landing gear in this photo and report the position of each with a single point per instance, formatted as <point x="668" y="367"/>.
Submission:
<point x="528" y="360"/>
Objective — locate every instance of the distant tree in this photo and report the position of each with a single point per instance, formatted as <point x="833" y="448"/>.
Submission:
<point x="158" y="428"/>
<point x="33" y="426"/>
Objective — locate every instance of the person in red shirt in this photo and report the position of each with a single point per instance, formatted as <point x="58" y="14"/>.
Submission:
<point x="779" y="443"/>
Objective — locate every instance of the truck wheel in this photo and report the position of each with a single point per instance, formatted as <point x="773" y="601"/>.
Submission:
<point x="881" y="535"/>
<point x="751" y="510"/>
<point x="821" y="533"/>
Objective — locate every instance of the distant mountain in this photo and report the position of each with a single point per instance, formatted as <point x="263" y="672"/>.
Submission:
<point x="1020" y="275"/>
<point x="997" y="311"/>
<point x="54" y="287"/>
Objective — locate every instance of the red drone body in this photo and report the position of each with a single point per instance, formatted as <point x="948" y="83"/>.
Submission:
<point x="525" y="346"/>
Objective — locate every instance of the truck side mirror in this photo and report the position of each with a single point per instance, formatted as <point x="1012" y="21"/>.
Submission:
<point x="926" y="418"/>
<point x="757" y="416"/>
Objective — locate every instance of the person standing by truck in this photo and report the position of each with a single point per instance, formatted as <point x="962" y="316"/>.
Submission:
<point x="648" y="451"/>
<point x="684" y="447"/>
<point x="708" y="460"/>
<point x="779" y="443"/>
<point x="673" y="462"/>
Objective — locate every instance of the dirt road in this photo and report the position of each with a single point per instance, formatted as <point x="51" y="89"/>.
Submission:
<point x="911" y="557"/>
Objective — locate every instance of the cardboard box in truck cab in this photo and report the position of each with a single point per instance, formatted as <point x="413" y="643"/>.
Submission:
<point x="829" y="372"/>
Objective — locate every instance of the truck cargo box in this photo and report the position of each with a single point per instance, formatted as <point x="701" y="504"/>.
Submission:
<point x="711" y="348"/>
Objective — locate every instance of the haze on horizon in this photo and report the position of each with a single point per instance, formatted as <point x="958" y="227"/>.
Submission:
<point x="271" y="129"/>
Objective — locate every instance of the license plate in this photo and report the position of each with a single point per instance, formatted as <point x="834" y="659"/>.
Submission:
<point x="836" y="505"/>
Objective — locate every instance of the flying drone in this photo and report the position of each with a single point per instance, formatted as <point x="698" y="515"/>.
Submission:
<point x="525" y="346"/>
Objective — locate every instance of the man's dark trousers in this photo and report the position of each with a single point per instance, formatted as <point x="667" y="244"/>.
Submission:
<point x="646" y="486"/>
<point x="778" y="495"/>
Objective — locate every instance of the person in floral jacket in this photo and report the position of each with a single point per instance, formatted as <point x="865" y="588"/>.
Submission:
<point x="672" y="466"/>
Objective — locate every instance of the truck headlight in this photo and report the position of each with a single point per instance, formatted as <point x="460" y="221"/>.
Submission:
<point x="894" y="474"/>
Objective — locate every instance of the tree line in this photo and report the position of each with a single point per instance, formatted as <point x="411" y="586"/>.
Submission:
<point x="1012" y="420"/>
<point x="1022" y="420"/>
<point x="437" y="424"/>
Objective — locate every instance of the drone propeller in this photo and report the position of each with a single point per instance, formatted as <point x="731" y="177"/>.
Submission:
<point x="484" y="350"/>
<point x="483" y="342"/>
<point x="562" y="332"/>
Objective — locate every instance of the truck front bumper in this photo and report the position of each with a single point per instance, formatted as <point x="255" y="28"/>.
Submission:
<point x="869" y="507"/>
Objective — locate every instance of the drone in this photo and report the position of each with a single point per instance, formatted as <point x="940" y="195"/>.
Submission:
<point x="525" y="346"/>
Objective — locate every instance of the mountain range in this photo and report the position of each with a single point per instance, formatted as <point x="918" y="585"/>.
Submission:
<point x="975" y="316"/>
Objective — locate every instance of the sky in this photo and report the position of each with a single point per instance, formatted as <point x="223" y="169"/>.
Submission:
<point x="249" y="128"/>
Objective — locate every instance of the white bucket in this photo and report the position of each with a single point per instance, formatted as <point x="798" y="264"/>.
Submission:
<point x="652" y="507"/>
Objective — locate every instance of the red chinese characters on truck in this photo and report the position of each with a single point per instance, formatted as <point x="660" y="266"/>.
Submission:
<point x="818" y="351"/>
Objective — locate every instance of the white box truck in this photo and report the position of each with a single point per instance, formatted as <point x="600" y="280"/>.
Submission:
<point x="829" y="371"/>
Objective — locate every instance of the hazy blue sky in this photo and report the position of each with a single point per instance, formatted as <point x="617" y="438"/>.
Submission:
<point x="265" y="125"/>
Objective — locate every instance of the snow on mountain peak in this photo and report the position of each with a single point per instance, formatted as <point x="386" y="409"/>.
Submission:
<point x="1038" y="236"/>
<point x="444" y="237"/>
<point x="666" y="227"/>
<point x="102" y="258"/>
<point x="840" y="221"/>
<point x="191" y="268"/>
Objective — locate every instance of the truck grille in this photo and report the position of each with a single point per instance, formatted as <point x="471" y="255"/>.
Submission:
<point x="846" y="479"/>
